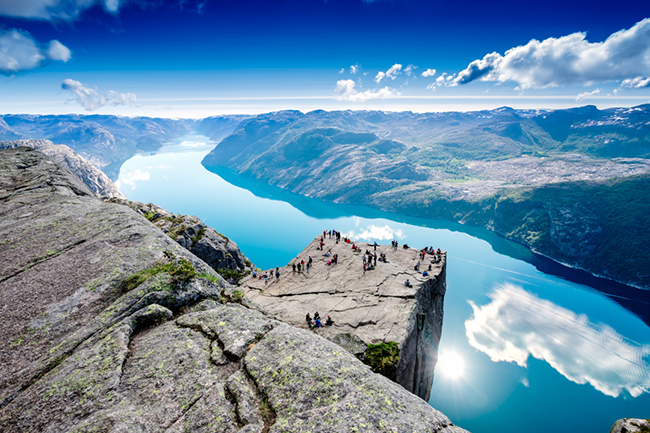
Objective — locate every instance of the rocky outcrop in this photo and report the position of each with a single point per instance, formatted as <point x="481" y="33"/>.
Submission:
<point x="96" y="180"/>
<point x="111" y="326"/>
<point x="631" y="425"/>
<point x="215" y="249"/>
<point x="372" y="307"/>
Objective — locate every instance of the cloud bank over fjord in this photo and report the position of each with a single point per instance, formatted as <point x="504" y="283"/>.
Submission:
<point x="517" y="324"/>
<point x="91" y="98"/>
<point x="568" y="60"/>
<point x="20" y="52"/>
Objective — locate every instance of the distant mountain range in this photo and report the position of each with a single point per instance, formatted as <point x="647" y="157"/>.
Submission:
<point x="108" y="141"/>
<point x="570" y="184"/>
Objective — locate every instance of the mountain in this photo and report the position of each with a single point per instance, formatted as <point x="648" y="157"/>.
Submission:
<point x="109" y="325"/>
<point x="93" y="177"/>
<point x="105" y="141"/>
<point x="462" y="166"/>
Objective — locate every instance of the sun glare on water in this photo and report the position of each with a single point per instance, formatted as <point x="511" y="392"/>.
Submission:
<point x="450" y="365"/>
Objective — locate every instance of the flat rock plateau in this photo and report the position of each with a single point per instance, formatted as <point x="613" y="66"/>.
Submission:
<point x="368" y="307"/>
<point x="109" y="325"/>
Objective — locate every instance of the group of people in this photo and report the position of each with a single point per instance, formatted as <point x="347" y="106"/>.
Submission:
<point x="316" y="322"/>
<point x="267" y="274"/>
<point x="302" y="265"/>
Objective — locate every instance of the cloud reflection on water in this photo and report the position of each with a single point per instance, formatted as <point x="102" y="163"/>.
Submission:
<point x="131" y="177"/>
<point x="373" y="232"/>
<point x="517" y="324"/>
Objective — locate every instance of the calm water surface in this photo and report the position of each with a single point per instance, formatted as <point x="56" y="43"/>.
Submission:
<point x="521" y="350"/>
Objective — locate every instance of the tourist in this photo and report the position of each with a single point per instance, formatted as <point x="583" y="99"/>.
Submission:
<point x="316" y="316"/>
<point x="407" y="283"/>
<point x="308" y="318"/>
<point x="293" y="265"/>
<point x="317" y="323"/>
<point x="329" y="321"/>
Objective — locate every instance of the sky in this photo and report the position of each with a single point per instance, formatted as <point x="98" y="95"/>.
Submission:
<point x="198" y="58"/>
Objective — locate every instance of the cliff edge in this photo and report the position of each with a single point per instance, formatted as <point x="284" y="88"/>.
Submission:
<point x="372" y="307"/>
<point x="109" y="325"/>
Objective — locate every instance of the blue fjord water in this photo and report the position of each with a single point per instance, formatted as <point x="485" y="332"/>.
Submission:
<point x="521" y="349"/>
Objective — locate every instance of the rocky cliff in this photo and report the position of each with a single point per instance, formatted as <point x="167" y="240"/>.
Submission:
<point x="109" y="325"/>
<point x="62" y="155"/>
<point x="370" y="309"/>
<point x="215" y="249"/>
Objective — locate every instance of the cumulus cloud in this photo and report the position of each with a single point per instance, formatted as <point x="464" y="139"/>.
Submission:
<point x="91" y="99"/>
<point x="66" y="10"/>
<point x="391" y="73"/>
<point x="517" y="324"/>
<point x="637" y="82"/>
<point x="585" y="95"/>
<point x="571" y="59"/>
<point x="429" y="73"/>
<point x="345" y="91"/>
<point x="19" y="52"/>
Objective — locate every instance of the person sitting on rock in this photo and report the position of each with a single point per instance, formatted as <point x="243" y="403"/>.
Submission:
<point x="429" y="266"/>
<point x="407" y="283"/>
<point x="308" y="318"/>
<point x="317" y="323"/>
<point x="316" y="316"/>
<point x="329" y="321"/>
<point x="425" y="274"/>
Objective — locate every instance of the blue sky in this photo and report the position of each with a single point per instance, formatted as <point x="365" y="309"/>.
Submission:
<point x="195" y="58"/>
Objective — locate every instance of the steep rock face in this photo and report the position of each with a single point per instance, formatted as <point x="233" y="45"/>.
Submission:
<point x="367" y="308"/>
<point x="215" y="249"/>
<point x="96" y="180"/>
<point x="111" y="326"/>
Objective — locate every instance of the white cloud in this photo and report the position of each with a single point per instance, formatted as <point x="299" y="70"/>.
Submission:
<point x="354" y="69"/>
<point x="586" y="95"/>
<point x="342" y="70"/>
<point x="373" y="232"/>
<point x="91" y="99"/>
<point x="66" y="10"/>
<point x="345" y="91"/>
<point x="637" y="82"/>
<point x="391" y="73"/>
<point x="19" y="52"/>
<point x="429" y="73"/>
<point x="571" y="59"/>
<point x="410" y="69"/>
<point x="518" y="324"/>
<point x="58" y="51"/>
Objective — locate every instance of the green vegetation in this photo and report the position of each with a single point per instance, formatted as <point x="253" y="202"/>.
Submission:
<point x="181" y="269"/>
<point x="383" y="358"/>
<point x="232" y="275"/>
<point x="198" y="235"/>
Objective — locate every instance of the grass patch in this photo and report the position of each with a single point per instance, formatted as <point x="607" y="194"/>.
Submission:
<point x="181" y="269"/>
